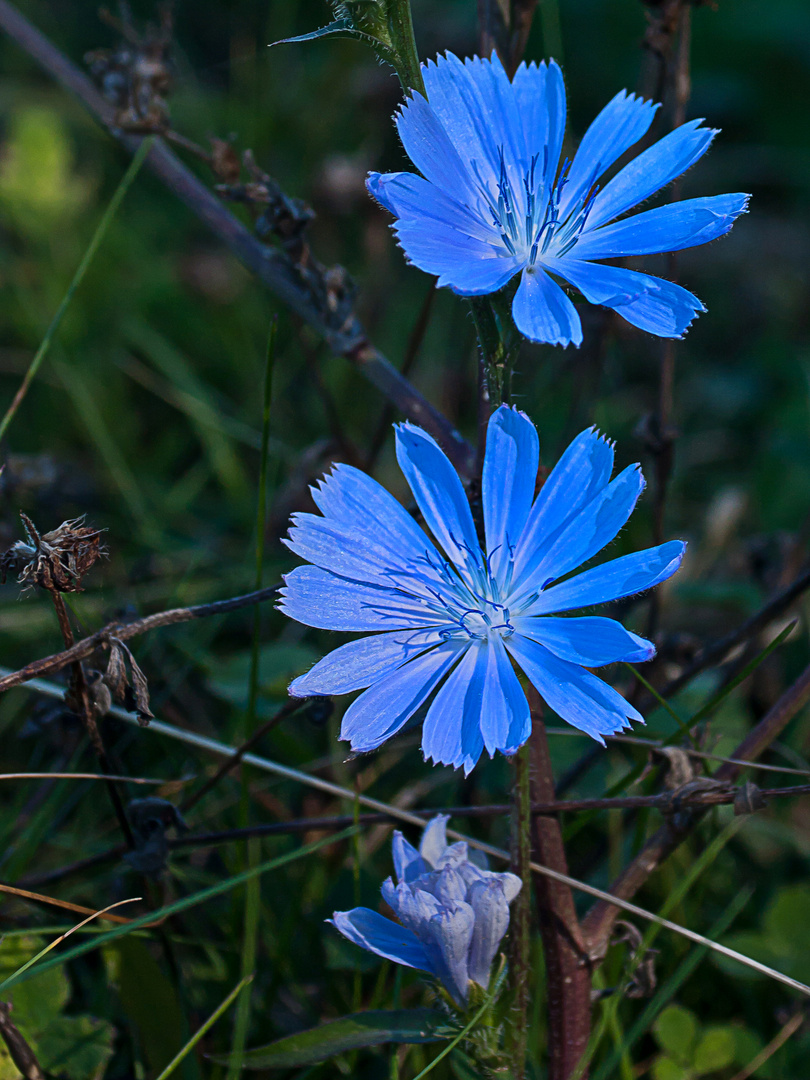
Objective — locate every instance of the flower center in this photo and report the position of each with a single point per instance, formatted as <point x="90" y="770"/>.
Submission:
<point x="490" y="618"/>
<point x="528" y="214"/>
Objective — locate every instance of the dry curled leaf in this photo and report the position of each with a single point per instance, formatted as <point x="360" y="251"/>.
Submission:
<point x="130" y="691"/>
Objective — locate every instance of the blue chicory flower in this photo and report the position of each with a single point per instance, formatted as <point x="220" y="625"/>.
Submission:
<point x="491" y="202"/>
<point x="453" y="910"/>
<point x="447" y="624"/>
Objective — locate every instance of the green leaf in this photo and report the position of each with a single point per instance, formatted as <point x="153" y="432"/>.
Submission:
<point x="278" y="664"/>
<point x="666" y="1069"/>
<point x="715" y="1050"/>
<point x="349" y="1033"/>
<point x="676" y="1032"/>
<point x="338" y="26"/>
<point x="42" y="998"/>
<point x="75" y="1047"/>
<point x="150" y="1002"/>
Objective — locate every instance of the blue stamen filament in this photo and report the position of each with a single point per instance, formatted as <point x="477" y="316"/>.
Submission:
<point x="544" y="228"/>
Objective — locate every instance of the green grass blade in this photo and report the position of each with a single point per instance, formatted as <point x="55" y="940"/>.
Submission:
<point x="252" y="892"/>
<point x="179" y="905"/>
<point x="199" y="405"/>
<point x="705" y="859"/>
<point x="209" y="1023"/>
<point x="670" y="988"/>
<point x="81" y="270"/>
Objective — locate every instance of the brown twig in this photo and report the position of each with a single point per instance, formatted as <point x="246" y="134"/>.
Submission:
<point x="568" y="976"/>
<point x="670" y="29"/>
<point x="598" y="924"/>
<point x="520" y="937"/>
<point x="789" y="1028"/>
<point x="667" y="802"/>
<point x="124" y="631"/>
<point x="19" y="1051"/>
<point x="231" y="763"/>
<point x="715" y="653"/>
<point x="81" y="695"/>
<point x="415" y="340"/>
<point x="271" y="266"/>
<point x="504" y="25"/>
<point x="52" y="901"/>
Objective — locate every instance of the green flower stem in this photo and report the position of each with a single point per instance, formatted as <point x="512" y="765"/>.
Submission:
<point x="400" y="27"/>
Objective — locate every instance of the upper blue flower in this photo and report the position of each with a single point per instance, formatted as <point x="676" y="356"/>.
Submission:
<point x="452" y="620"/>
<point x="454" y="912"/>
<point x="492" y="201"/>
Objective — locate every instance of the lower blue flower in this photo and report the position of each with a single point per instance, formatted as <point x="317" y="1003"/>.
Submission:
<point x="453" y="912"/>
<point x="450" y="623"/>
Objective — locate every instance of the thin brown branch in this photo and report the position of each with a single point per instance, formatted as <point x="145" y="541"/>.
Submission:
<point x="80" y="694"/>
<point x="19" y="1051"/>
<point x="124" y="631"/>
<point x="286" y="710"/>
<point x="568" y="975"/>
<point x="273" y="269"/>
<point x="415" y="340"/>
<point x="789" y="1028"/>
<point x="51" y="901"/>
<point x="82" y="776"/>
<point x="598" y="924"/>
<point x="667" y="802"/>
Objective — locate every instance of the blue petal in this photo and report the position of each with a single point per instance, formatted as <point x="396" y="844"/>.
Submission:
<point x="411" y="197"/>
<point x="319" y="598"/>
<point x="582" y="471"/>
<point x="653" y="304"/>
<point x="591" y="641"/>
<point x="651" y="170"/>
<point x="579" y="698"/>
<point x="429" y="148"/>
<point x="364" y="509"/>
<point x="586" y="534"/>
<point x="349" y="551"/>
<point x="468" y="266"/>
<point x="542" y="312"/>
<point x="626" y="576"/>
<point x="620" y="125"/>
<point x="371" y="931"/>
<point x="360" y="663"/>
<point x="475" y="104"/>
<point x="383" y="709"/>
<point x="447" y="885"/>
<point x="540" y="95"/>
<point x="666" y="228"/>
<point x="434" y="839"/>
<point x="415" y="908"/>
<point x="452" y="930"/>
<point x="488" y="901"/>
<point x="438" y="493"/>
<point x="509" y="479"/>
<point x="505" y="719"/>
<point x="452" y="730"/>
<point x="408" y="863"/>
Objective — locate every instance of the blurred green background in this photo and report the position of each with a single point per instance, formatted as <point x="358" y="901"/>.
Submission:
<point x="146" y="416"/>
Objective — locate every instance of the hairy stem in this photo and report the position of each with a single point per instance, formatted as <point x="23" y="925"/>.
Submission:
<point x="520" y="939"/>
<point x="568" y="975"/>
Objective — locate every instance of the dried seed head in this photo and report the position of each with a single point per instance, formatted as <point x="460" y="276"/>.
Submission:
<point x="56" y="560"/>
